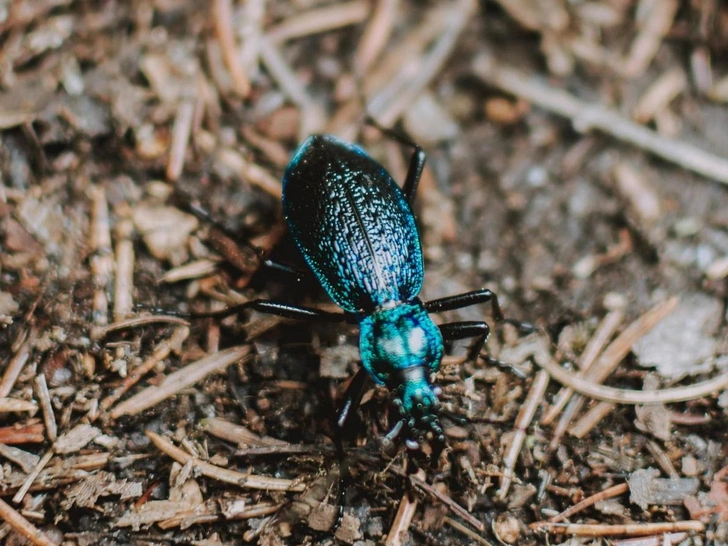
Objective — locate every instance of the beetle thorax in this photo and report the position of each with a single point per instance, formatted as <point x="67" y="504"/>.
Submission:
<point x="398" y="338"/>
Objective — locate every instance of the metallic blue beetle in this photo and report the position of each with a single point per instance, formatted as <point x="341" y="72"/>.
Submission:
<point x="356" y="230"/>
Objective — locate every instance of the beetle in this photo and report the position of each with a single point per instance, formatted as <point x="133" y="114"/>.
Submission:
<point x="356" y="230"/>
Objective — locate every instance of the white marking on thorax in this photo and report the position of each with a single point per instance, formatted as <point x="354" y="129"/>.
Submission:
<point x="414" y="343"/>
<point x="393" y="346"/>
<point x="416" y="340"/>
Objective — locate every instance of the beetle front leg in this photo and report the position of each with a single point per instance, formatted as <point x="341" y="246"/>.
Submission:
<point x="347" y="410"/>
<point x="480" y="330"/>
<point x="344" y="421"/>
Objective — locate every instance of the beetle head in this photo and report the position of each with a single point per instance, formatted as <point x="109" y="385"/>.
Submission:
<point x="418" y="406"/>
<point x="401" y="347"/>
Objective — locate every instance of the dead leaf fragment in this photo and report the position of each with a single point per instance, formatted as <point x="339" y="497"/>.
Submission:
<point x="152" y="512"/>
<point x="683" y="343"/>
<point x="349" y="531"/>
<point x="8" y="305"/>
<point x="705" y="507"/>
<point x="654" y="418"/>
<point x="165" y="231"/>
<point x="76" y="439"/>
<point x="86" y="492"/>
<point x="647" y="489"/>
<point x="538" y="15"/>
<point x="507" y="528"/>
<point x="520" y="495"/>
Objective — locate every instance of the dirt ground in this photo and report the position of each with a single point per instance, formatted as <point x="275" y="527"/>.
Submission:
<point x="576" y="166"/>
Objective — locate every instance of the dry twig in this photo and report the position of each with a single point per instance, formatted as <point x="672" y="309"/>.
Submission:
<point x="241" y="479"/>
<point x="49" y="417"/>
<point x="238" y="434"/>
<point x="454" y="507"/>
<point x="222" y="18"/>
<point x="181" y="379"/>
<point x="467" y="532"/>
<point x="12" y="371"/>
<point x="402" y="519"/>
<point x="312" y="114"/>
<point x="389" y="103"/>
<point x="627" y="396"/>
<point x="174" y="343"/>
<point x="102" y="263"/>
<point x="136" y="322"/>
<point x="250" y="31"/>
<point x="608" y="493"/>
<point x="124" y="278"/>
<point x="181" y="131"/>
<point x="23" y="526"/>
<point x="317" y="20"/>
<point x="590" y="419"/>
<point x="376" y="34"/>
<point x="11" y="405"/>
<point x="25" y="434"/>
<point x="608" y="361"/>
<point x="587" y="116"/>
<point x="525" y="416"/>
<point x="630" y="529"/>
<point x="20" y="493"/>
<point x="602" y="335"/>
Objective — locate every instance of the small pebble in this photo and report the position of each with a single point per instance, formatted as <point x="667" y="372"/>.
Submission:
<point x="507" y="529"/>
<point x="689" y="465"/>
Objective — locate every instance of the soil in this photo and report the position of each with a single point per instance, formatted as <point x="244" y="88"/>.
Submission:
<point x="121" y="122"/>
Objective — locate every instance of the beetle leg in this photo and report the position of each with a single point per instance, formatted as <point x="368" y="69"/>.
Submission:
<point x="465" y="300"/>
<point x="479" y="330"/>
<point x="506" y="365"/>
<point x="191" y="206"/>
<point x="344" y="419"/>
<point x="308" y="314"/>
<point x="347" y="410"/>
<point x="417" y="161"/>
<point x="463" y="330"/>
<point x="414" y="173"/>
<point x="299" y="274"/>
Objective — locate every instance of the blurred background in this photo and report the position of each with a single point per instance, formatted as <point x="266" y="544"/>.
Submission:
<point x="577" y="163"/>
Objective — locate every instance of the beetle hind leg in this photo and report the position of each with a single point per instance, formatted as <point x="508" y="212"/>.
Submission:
<point x="417" y="160"/>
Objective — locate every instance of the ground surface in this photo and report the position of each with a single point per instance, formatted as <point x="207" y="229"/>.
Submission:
<point x="588" y="222"/>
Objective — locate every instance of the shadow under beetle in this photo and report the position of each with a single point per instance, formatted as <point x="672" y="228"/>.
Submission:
<point x="356" y="230"/>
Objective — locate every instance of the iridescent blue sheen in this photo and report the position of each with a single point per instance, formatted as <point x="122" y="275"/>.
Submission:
<point x="352" y="224"/>
<point x="357" y="232"/>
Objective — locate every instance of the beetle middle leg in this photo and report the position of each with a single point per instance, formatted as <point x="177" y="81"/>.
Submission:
<point x="466" y="299"/>
<point x="475" y="297"/>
